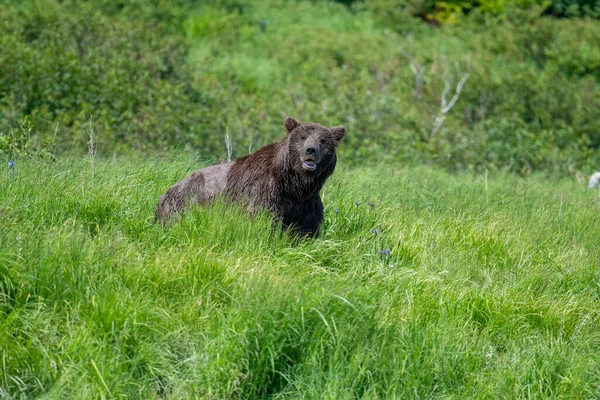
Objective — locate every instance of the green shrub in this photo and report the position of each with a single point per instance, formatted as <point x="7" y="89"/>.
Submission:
<point x="449" y="11"/>
<point x="77" y="63"/>
<point x="23" y="143"/>
<point x="570" y="8"/>
<point x="156" y="77"/>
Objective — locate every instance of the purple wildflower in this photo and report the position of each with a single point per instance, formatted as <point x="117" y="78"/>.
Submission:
<point x="385" y="252"/>
<point x="357" y="204"/>
<point x="376" y="231"/>
<point x="372" y="205"/>
<point x="11" y="166"/>
<point x="337" y="210"/>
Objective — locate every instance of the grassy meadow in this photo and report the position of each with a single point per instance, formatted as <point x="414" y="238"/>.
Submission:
<point x="459" y="253"/>
<point x="423" y="284"/>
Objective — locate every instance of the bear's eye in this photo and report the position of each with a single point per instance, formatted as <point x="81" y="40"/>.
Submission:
<point x="321" y="140"/>
<point x="303" y="137"/>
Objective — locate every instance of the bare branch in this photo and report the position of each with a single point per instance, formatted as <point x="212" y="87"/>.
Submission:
<point x="413" y="67"/>
<point x="445" y="92"/>
<point x="437" y="124"/>
<point x="446" y="108"/>
<point x="92" y="146"/>
<point x="228" y="144"/>
<point x="419" y="72"/>
<point x="419" y="79"/>
<point x="457" y="66"/>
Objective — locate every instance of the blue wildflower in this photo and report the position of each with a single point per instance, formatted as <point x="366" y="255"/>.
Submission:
<point x="372" y="205"/>
<point x="11" y="166"/>
<point x="337" y="210"/>
<point x="376" y="231"/>
<point x="357" y="204"/>
<point x="385" y="252"/>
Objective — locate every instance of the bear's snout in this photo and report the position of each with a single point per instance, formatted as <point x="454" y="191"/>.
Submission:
<point x="312" y="155"/>
<point x="312" y="150"/>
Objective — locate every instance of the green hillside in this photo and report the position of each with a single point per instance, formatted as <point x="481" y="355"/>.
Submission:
<point x="158" y="75"/>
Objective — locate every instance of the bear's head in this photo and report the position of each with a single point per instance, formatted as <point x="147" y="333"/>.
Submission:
<point x="312" y="146"/>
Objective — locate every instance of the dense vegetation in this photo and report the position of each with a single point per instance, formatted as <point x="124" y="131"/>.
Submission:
<point x="157" y="75"/>
<point x="423" y="285"/>
<point x="457" y="278"/>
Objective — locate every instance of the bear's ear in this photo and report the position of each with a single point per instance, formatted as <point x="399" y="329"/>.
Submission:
<point x="338" y="133"/>
<point x="291" y="124"/>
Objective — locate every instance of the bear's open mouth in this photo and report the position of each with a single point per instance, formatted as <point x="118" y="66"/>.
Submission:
<point x="310" y="165"/>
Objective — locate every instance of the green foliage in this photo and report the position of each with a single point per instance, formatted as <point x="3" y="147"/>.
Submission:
<point x="22" y="144"/>
<point x="571" y="8"/>
<point x="490" y="288"/>
<point x="157" y="76"/>
<point x="75" y="62"/>
<point x="449" y="12"/>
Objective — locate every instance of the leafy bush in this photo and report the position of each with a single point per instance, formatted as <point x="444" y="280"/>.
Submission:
<point x="22" y="144"/>
<point x="450" y="11"/>
<point x="155" y="77"/>
<point x="590" y="8"/>
<point x="77" y="63"/>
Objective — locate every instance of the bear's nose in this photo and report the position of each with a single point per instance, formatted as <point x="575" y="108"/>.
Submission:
<point x="311" y="150"/>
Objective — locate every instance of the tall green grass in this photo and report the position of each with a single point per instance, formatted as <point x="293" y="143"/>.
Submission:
<point x="491" y="288"/>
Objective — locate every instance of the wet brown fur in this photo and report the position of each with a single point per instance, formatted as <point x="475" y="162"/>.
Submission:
<point x="274" y="177"/>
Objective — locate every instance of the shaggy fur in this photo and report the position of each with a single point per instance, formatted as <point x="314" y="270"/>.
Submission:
<point x="284" y="177"/>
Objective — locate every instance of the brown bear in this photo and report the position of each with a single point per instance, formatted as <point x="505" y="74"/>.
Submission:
<point x="283" y="177"/>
